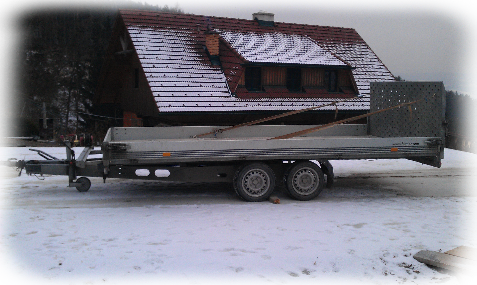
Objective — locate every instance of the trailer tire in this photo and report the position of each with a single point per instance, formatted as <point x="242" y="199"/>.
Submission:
<point x="254" y="182"/>
<point x="304" y="180"/>
<point x="84" y="184"/>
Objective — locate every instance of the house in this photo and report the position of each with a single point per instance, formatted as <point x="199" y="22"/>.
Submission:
<point x="182" y="69"/>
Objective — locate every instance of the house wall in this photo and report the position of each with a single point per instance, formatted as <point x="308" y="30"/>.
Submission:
<point x="124" y="84"/>
<point x="134" y="93"/>
<point x="312" y="77"/>
<point x="344" y="79"/>
<point x="235" y="118"/>
<point x="273" y="76"/>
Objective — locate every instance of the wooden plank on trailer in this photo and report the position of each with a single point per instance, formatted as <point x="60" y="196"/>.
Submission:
<point x="464" y="252"/>
<point x="445" y="261"/>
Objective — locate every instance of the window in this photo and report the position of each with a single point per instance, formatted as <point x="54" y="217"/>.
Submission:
<point x="253" y="78"/>
<point x="294" y="79"/>
<point x="331" y="80"/>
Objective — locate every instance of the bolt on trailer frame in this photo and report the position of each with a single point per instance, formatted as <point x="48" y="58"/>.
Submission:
<point x="406" y="120"/>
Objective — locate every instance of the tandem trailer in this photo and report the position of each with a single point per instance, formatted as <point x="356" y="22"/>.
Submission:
<point x="406" y="120"/>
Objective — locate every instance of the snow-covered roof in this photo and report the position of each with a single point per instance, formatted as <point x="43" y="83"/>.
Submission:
<point x="182" y="78"/>
<point x="280" y="48"/>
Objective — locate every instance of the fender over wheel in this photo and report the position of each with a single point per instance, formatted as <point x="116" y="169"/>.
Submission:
<point x="254" y="182"/>
<point x="304" y="180"/>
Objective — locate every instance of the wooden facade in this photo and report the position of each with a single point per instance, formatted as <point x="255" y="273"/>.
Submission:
<point x="125" y="91"/>
<point x="311" y="76"/>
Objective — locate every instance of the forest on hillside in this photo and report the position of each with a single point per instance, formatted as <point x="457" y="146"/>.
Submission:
<point x="61" y="58"/>
<point x="59" y="65"/>
<point x="461" y="114"/>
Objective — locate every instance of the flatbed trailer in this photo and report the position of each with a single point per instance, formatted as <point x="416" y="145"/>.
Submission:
<point x="406" y="120"/>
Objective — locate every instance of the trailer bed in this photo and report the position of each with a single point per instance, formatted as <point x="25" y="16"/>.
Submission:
<point x="182" y="150"/>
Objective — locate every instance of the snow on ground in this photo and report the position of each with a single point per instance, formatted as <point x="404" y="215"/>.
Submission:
<point x="364" y="230"/>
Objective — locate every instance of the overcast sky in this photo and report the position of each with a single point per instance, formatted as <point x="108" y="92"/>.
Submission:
<point x="409" y="36"/>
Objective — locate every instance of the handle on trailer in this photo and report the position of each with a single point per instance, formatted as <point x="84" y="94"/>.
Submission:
<point x="44" y="154"/>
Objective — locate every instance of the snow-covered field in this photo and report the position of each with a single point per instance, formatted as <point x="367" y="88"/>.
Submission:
<point x="364" y="230"/>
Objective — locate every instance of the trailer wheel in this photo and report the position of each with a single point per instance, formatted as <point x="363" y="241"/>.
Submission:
<point x="304" y="180"/>
<point x="254" y="182"/>
<point x="83" y="184"/>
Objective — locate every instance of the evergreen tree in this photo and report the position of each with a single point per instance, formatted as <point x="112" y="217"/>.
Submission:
<point x="61" y="60"/>
<point x="461" y="114"/>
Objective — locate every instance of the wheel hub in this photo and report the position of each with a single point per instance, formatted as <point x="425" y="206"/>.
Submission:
<point x="305" y="181"/>
<point x="256" y="182"/>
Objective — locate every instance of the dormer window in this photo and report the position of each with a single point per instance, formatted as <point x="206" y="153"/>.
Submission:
<point x="294" y="79"/>
<point x="253" y="78"/>
<point x="294" y="82"/>
<point x="331" y="80"/>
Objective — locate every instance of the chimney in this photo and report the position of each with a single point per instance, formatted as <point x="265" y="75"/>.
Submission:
<point x="264" y="18"/>
<point x="212" y="42"/>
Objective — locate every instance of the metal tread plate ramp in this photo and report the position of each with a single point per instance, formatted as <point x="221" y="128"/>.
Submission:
<point x="426" y="118"/>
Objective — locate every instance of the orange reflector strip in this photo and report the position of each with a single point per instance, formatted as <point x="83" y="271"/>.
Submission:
<point x="394" y="149"/>
<point x="166" y="154"/>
